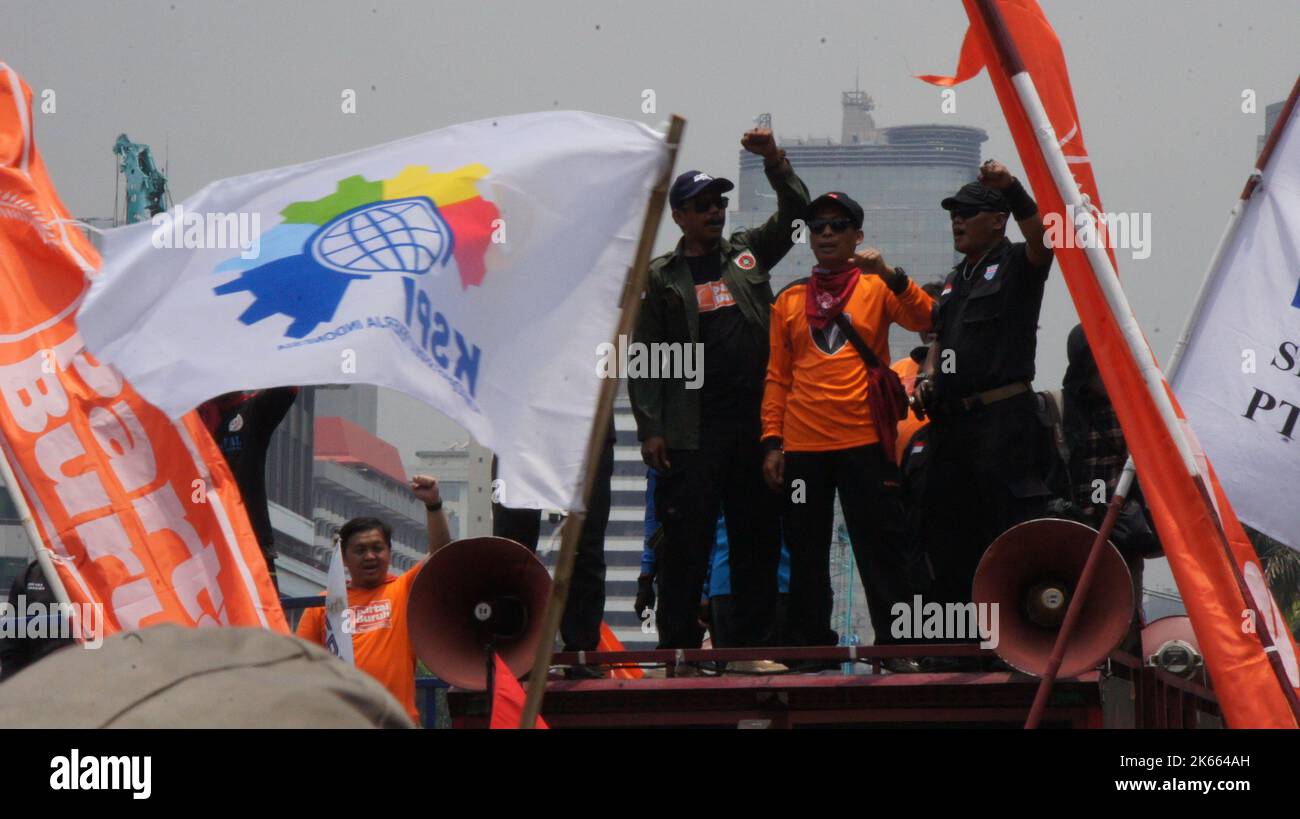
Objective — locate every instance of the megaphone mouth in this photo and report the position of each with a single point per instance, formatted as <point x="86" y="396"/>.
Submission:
<point x="1047" y="602"/>
<point x="476" y="594"/>
<point x="501" y="618"/>
<point x="1030" y="573"/>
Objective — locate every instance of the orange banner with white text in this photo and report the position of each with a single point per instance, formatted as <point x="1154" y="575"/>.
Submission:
<point x="134" y="513"/>
<point x="1209" y="576"/>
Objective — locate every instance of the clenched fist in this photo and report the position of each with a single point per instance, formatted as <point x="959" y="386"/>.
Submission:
<point x="760" y="141"/>
<point x="994" y="174"/>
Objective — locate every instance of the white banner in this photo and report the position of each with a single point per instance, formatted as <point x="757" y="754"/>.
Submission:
<point x="1239" y="378"/>
<point x="476" y="268"/>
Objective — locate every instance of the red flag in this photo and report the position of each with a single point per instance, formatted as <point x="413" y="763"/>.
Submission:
<point x="507" y="698"/>
<point x="1212" y="561"/>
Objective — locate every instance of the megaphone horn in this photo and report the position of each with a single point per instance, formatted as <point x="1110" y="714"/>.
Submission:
<point x="1030" y="573"/>
<point x="477" y="594"/>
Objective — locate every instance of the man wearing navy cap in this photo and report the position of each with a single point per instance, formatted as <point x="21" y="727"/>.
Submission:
<point x="984" y="474"/>
<point x="703" y="438"/>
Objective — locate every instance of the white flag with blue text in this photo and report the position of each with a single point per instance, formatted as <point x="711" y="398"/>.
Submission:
<point x="1239" y="379"/>
<point x="476" y="268"/>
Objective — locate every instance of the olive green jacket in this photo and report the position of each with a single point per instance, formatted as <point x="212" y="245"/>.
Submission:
<point x="665" y="407"/>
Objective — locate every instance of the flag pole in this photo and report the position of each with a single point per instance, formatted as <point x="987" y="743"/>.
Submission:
<point x="1108" y="281"/>
<point x="633" y="284"/>
<point x="1075" y="610"/>
<point x="39" y="551"/>
<point x="1174" y="365"/>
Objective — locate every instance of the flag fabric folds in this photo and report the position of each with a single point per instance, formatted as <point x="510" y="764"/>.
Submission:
<point x="507" y="698"/>
<point x="1210" y="574"/>
<point x="128" y="510"/>
<point x="610" y="642"/>
<point x="1239" y="377"/>
<point x="477" y="268"/>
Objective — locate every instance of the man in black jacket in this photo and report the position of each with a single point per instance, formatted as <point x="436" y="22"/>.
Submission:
<point x="242" y="424"/>
<point x="701" y="435"/>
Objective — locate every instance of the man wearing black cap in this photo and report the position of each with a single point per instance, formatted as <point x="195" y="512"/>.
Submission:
<point x="823" y="429"/>
<point x="984" y="474"/>
<point x="703" y="439"/>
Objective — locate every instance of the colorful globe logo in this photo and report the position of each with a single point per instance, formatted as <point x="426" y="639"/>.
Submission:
<point x="394" y="236"/>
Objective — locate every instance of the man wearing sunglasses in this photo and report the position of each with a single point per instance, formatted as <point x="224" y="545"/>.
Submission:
<point x="819" y="430"/>
<point x="703" y="438"/>
<point x="984" y="474"/>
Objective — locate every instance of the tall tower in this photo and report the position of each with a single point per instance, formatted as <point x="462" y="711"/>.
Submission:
<point x="859" y="128"/>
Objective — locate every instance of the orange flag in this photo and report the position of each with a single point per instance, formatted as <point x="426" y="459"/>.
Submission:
<point x="507" y="698"/>
<point x="134" y="518"/>
<point x="608" y="642"/>
<point x="1212" y="561"/>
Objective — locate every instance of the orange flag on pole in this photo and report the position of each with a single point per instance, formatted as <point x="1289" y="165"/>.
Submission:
<point x="135" y="520"/>
<point x="507" y="698"/>
<point x="1249" y="652"/>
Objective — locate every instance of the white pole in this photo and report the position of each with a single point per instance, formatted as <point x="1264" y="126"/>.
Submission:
<point x="1211" y="276"/>
<point x="1176" y="356"/>
<point x="1105" y="274"/>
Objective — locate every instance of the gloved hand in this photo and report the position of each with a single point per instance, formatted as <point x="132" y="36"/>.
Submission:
<point x="645" y="595"/>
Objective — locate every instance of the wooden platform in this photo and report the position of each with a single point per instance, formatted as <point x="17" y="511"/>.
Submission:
<point x="1127" y="695"/>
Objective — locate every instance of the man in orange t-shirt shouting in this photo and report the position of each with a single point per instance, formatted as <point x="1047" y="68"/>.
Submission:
<point x="377" y="602"/>
<point x="818" y="429"/>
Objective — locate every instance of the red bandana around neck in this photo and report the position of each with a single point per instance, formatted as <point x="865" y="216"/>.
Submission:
<point x="828" y="291"/>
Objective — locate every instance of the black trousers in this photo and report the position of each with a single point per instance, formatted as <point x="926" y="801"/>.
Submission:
<point x="868" y="484"/>
<point x="580" y="626"/>
<point x="984" y="474"/>
<point x="722" y="620"/>
<point x="725" y="474"/>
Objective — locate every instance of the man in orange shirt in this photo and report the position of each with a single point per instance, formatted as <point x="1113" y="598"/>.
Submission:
<point x="817" y="426"/>
<point x="376" y="602"/>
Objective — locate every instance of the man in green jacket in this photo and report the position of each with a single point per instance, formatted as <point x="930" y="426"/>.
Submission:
<point x="713" y="295"/>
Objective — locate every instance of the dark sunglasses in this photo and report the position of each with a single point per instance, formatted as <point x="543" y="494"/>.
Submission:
<point x="839" y="224"/>
<point x="706" y="205"/>
<point x="968" y="212"/>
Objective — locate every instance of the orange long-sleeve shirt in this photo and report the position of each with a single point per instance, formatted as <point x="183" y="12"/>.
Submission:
<point x="815" y="399"/>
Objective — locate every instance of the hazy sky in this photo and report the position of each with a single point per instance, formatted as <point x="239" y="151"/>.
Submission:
<point x="220" y="89"/>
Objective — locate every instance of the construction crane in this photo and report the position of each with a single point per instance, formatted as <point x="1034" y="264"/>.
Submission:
<point x="146" y="186"/>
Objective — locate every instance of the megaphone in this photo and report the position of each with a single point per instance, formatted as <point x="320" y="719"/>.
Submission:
<point x="1030" y="573"/>
<point x="474" y="596"/>
<point x="1170" y="643"/>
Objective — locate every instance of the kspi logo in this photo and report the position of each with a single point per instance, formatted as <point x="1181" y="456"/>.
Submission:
<point x="404" y="236"/>
<point x="412" y="225"/>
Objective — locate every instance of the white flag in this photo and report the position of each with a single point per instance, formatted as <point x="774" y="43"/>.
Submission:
<point x="1239" y="378"/>
<point x="477" y="268"/>
<point x="339" y="623"/>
